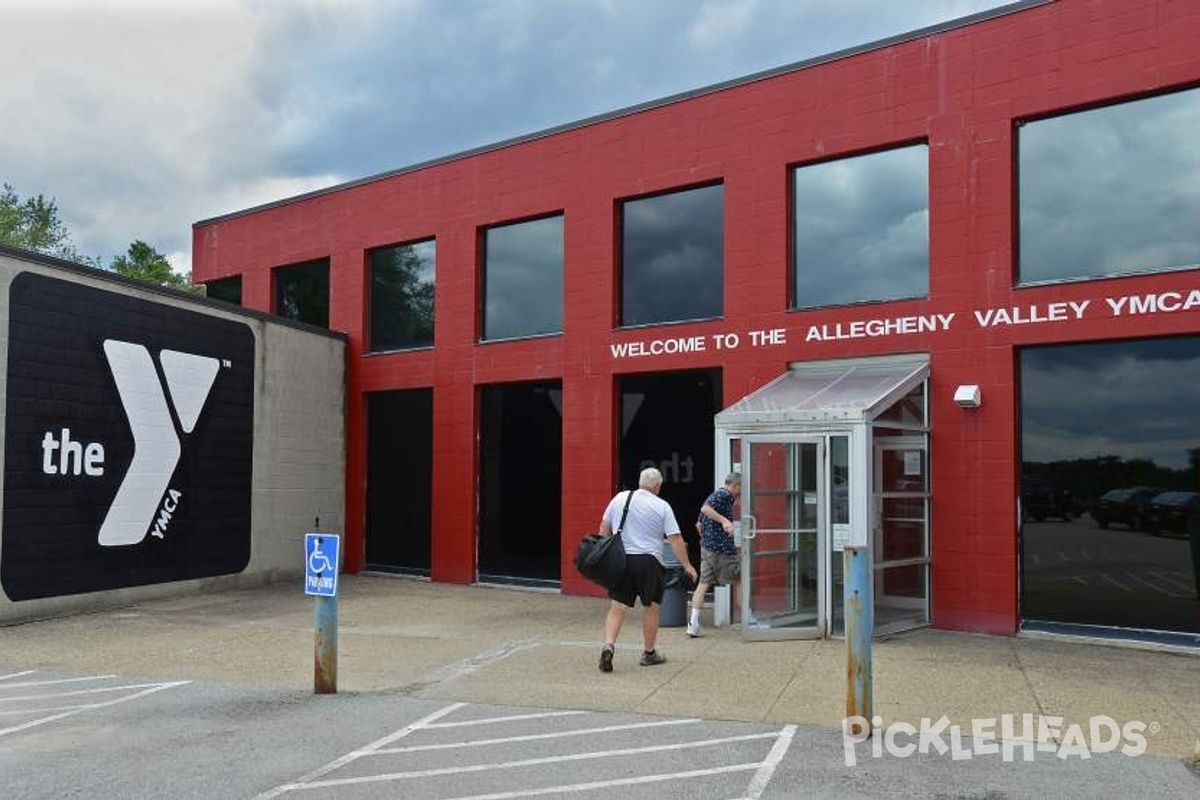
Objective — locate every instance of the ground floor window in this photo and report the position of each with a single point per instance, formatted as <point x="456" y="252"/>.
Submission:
<point x="399" y="481"/>
<point x="1110" y="434"/>
<point x="520" y="482"/>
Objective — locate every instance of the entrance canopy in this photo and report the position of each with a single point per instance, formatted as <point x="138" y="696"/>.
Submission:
<point x="818" y="393"/>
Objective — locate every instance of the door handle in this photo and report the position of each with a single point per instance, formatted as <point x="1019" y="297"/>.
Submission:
<point x="749" y="526"/>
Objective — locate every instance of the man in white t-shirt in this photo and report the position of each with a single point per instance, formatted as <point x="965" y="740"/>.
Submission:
<point x="649" y="519"/>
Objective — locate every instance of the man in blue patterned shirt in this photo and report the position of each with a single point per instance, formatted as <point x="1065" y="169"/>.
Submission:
<point x="720" y="562"/>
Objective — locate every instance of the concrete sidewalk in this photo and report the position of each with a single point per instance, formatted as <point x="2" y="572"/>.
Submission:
<point x="523" y="648"/>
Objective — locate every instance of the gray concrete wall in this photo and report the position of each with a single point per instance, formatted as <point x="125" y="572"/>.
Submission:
<point x="291" y="477"/>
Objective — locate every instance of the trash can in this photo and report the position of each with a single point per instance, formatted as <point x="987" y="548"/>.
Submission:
<point x="673" y="611"/>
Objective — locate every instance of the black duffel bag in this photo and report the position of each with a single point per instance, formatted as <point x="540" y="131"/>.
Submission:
<point x="601" y="559"/>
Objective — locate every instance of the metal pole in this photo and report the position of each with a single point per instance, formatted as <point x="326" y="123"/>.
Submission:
<point x="860" y="630"/>
<point x="325" y="655"/>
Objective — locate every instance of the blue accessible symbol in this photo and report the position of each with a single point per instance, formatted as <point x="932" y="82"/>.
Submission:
<point x="320" y="564"/>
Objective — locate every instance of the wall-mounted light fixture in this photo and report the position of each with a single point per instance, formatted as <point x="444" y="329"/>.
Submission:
<point x="967" y="396"/>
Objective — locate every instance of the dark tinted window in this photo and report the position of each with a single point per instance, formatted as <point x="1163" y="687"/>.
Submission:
<point x="227" y="289"/>
<point x="1106" y="430"/>
<point x="402" y="296"/>
<point x="520" y="446"/>
<point x="1112" y="190"/>
<point x="302" y="292"/>
<point x="861" y="228"/>
<point x="523" y="279"/>
<point x="399" y="509"/>
<point x="672" y="257"/>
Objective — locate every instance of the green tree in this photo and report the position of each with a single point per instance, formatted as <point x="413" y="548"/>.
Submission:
<point x="144" y="263"/>
<point x="302" y="293"/>
<point x="401" y="298"/>
<point x="34" y="224"/>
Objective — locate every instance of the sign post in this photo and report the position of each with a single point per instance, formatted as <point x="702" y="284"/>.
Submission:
<point x="320" y="580"/>
<point x="860" y="629"/>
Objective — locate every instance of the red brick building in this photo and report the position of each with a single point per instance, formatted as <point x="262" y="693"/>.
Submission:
<point x="1008" y="203"/>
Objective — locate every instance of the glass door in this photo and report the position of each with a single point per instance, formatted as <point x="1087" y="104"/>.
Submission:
<point x="784" y="539"/>
<point x="900" y="540"/>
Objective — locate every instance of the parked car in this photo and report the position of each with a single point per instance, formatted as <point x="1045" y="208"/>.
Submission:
<point x="1172" y="512"/>
<point x="1041" y="501"/>
<point x="1125" y="506"/>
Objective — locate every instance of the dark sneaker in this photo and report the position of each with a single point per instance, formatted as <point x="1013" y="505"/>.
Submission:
<point x="606" y="658"/>
<point x="652" y="658"/>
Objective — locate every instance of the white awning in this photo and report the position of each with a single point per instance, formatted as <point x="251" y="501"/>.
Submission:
<point x="850" y="390"/>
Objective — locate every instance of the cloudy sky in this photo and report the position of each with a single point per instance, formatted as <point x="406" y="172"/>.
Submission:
<point x="140" y="117"/>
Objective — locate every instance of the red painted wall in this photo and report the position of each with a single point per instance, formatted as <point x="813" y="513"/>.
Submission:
<point x="959" y="90"/>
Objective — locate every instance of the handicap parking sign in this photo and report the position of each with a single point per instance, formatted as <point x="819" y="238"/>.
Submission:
<point x="320" y="564"/>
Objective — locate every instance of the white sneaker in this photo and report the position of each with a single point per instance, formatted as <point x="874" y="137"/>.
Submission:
<point x="693" y="630"/>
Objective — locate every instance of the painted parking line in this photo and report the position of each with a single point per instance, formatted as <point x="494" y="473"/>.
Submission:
<point x="1167" y="589"/>
<point x="338" y="763"/>
<point x="532" y="737"/>
<point x="1172" y="584"/>
<point x="48" y="681"/>
<point x="762" y="769"/>
<point x="50" y="706"/>
<point x="1180" y="580"/>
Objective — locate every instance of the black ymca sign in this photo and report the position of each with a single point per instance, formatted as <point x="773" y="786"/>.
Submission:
<point x="128" y="447"/>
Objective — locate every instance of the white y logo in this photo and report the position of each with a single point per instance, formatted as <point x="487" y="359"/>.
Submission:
<point x="156" y="450"/>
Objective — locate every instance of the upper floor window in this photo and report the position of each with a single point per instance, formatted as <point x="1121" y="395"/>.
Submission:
<point x="672" y="257"/>
<point x="523" y="279"/>
<point x="227" y="289"/>
<point x="860" y="228"/>
<point x="402" y="295"/>
<point x="1110" y="191"/>
<point x="302" y="292"/>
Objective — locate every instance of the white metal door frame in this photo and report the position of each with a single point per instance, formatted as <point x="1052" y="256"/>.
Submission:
<point x="749" y="524"/>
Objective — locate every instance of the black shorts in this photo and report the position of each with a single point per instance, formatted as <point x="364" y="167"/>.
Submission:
<point x="644" y="578"/>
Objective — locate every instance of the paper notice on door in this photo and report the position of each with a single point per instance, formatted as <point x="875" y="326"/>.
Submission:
<point x="841" y="537"/>
<point x="912" y="462"/>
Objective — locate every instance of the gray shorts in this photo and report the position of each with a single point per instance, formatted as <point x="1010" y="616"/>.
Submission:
<point x="719" y="569"/>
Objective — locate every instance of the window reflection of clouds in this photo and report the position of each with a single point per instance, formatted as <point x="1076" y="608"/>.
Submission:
<point x="523" y="279"/>
<point x="1133" y="400"/>
<point x="861" y="228"/>
<point x="425" y="253"/>
<point x="672" y="257"/>
<point x="1111" y="190"/>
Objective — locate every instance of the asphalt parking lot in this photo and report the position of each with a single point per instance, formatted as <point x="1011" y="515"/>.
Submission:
<point x="99" y="735"/>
